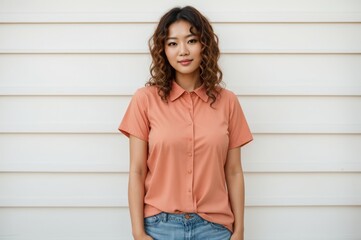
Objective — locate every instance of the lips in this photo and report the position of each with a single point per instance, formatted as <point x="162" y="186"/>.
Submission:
<point x="185" y="61"/>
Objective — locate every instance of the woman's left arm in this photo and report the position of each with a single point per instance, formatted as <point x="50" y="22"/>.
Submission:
<point x="235" y="186"/>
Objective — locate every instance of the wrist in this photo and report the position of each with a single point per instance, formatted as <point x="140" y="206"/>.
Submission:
<point x="238" y="231"/>
<point x="237" y="235"/>
<point x="139" y="234"/>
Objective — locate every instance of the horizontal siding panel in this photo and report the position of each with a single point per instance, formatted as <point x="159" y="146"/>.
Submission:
<point x="115" y="74"/>
<point x="63" y="189"/>
<point x="160" y="6"/>
<point x="303" y="189"/>
<point x="302" y="223"/>
<point x="153" y="16"/>
<point x="303" y="153"/>
<point x="270" y="37"/>
<point x="283" y="114"/>
<point x="65" y="224"/>
<point x="306" y="114"/>
<point x="292" y="74"/>
<point x="110" y="189"/>
<point x="261" y="223"/>
<point x="81" y="153"/>
<point x="64" y="153"/>
<point x="75" y="73"/>
<point x="62" y="114"/>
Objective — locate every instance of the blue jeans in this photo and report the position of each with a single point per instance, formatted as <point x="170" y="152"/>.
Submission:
<point x="167" y="226"/>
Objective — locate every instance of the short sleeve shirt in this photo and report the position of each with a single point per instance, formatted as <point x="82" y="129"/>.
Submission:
<point x="188" y="141"/>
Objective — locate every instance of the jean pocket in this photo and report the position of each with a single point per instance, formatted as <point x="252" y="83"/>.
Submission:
<point x="152" y="220"/>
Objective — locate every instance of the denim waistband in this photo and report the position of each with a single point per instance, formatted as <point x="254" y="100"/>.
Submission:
<point x="180" y="217"/>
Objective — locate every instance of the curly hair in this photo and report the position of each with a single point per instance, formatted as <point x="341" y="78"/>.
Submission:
<point x="162" y="73"/>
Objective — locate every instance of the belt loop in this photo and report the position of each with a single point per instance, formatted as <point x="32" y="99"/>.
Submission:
<point x="164" y="217"/>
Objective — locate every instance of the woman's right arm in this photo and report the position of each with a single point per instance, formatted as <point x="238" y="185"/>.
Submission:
<point x="137" y="174"/>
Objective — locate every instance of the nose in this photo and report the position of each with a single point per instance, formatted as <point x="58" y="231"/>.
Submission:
<point x="183" y="50"/>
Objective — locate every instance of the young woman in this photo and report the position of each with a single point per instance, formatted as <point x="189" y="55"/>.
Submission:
<point x="185" y="130"/>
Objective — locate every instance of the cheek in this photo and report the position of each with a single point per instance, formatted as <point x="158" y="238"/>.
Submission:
<point x="199" y="51"/>
<point x="166" y="53"/>
<point x="199" y="54"/>
<point x="169" y="54"/>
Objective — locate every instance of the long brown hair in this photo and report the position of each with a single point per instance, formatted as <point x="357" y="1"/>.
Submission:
<point x="162" y="73"/>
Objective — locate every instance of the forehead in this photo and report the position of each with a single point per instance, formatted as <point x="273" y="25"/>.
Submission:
<point x="180" y="28"/>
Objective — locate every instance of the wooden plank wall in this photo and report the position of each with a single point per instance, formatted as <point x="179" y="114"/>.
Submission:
<point x="68" y="70"/>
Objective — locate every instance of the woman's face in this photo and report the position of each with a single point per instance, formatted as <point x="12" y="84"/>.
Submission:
<point x="183" y="49"/>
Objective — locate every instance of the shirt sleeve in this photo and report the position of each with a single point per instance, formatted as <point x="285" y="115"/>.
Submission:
<point x="135" y="121"/>
<point x="239" y="132"/>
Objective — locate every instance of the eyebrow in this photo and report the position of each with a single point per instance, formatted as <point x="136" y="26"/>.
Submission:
<point x="189" y="35"/>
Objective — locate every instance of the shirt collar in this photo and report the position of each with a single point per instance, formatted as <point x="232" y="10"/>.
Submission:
<point x="177" y="91"/>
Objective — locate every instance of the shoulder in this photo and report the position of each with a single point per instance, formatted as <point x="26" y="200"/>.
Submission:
<point x="227" y="95"/>
<point x="227" y="100"/>
<point x="145" y="92"/>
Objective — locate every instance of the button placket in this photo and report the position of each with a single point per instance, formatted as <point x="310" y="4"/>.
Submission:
<point x="190" y="154"/>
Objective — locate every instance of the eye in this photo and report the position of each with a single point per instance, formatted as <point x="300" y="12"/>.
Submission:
<point x="172" y="44"/>
<point x="193" y="40"/>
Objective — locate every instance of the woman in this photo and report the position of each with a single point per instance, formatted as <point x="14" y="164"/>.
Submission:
<point x="185" y="130"/>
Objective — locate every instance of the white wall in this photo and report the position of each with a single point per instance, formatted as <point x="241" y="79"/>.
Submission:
<point x="69" y="68"/>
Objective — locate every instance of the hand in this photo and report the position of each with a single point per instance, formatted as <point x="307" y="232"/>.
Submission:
<point x="147" y="237"/>
<point x="143" y="237"/>
<point x="236" y="236"/>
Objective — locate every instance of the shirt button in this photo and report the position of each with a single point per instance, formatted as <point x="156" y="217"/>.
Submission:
<point x="190" y="154"/>
<point x="189" y="190"/>
<point x="189" y="171"/>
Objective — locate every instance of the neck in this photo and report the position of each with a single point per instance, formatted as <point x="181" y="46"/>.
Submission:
<point x="187" y="82"/>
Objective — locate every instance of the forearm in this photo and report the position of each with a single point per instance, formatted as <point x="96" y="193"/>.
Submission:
<point x="235" y="185"/>
<point x="136" y="203"/>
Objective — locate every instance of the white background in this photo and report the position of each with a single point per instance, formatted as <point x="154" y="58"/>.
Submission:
<point x="69" y="68"/>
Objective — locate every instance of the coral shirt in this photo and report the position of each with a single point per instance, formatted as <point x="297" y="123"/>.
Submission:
<point x="188" y="142"/>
